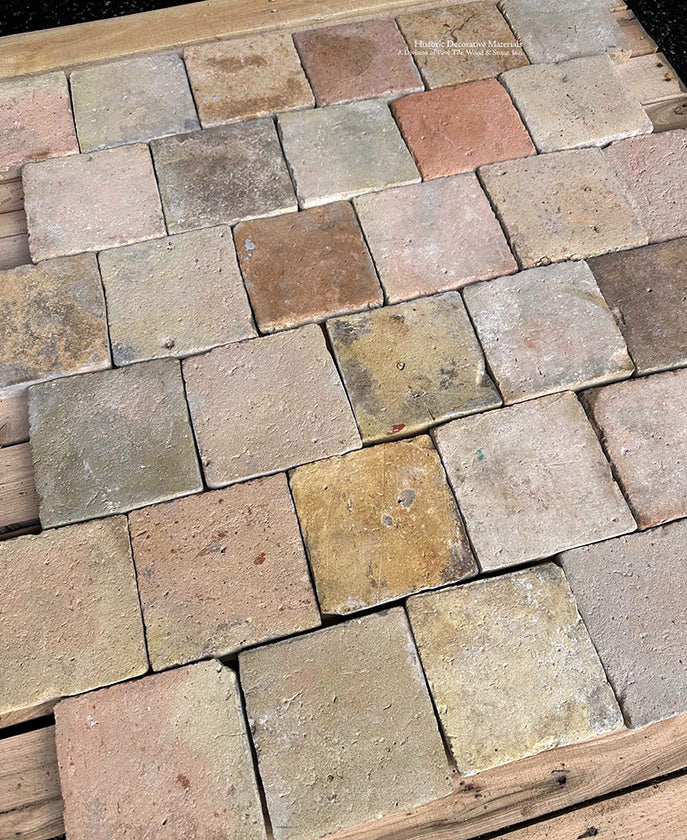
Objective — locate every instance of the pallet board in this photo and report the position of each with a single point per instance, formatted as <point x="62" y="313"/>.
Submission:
<point x="14" y="419"/>
<point x="18" y="500"/>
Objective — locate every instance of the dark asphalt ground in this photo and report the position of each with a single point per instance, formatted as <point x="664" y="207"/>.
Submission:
<point x="664" y="20"/>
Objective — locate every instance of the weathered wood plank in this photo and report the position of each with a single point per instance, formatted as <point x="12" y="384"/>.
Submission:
<point x="14" y="419"/>
<point x="28" y="769"/>
<point x="14" y="251"/>
<point x="650" y="78"/>
<point x="669" y="114"/>
<point x="43" y="821"/>
<point x="640" y="41"/>
<point x="12" y="223"/>
<point x="18" y="499"/>
<point x="11" y="196"/>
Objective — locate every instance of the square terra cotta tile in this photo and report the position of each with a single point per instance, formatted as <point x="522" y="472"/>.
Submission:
<point x="132" y="101"/>
<point x="70" y="613"/>
<point x="562" y="206"/>
<point x="511" y="667"/>
<point x="456" y="129"/>
<point x="91" y="202"/>
<point x="409" y="366"/>
<point x="460" y="28"/>
<point x="266" y="405"/>
<point x="247" y="77"/>
<point x="175" y="296"/>
<point x="531" y="480"/>
<point x="364" y="60"/>
<point x="341" y="503"/>
<point x="220" y="571"/>
<point x="222" y="175"/>
<point x="111" y="441"/>
<point x="547" y="329"/>
<point x="343" y="150"/>
<point x="433" y="237"/>
<point x="304" y="267"/>
<point x="338" y="711"/>
<point x="182" y="736"/>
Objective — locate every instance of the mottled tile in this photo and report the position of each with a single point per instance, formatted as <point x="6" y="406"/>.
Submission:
<point x="111" y="441"/>
<point x="511" y="667"/>
<point x="175" y="296"/>
<point x="434" y="236"/>
<point x="222" y="175"/>
<point x="70" y="613"/>
<point x="343" y="150"/>
<point x="337" y="712"/>
<point x="409" y="366"/>
<point x="304" y="267"/>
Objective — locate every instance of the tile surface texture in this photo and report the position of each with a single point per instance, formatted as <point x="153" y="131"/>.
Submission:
<point x="646" y="289"/>
<point x="531" y="480"/>
<point x="131" y="101"/>
<point x="463" y="24"/>
<point x="266" y="405"/>
<point x="343" y="150"/>
<point x="343" y="501"/>
<point x="39" y="111"/>
<point x="642" y="427"/>
<point x="582" y="102"/>
<point x="175" y="296"/>
<point x="409" y="366"/>
<point x="638" y="626"/>
<point x="352" y="61"/>
<point x="53" y="320"/>
<point x="220" y="571"/>
<point x="343" y="726"/>
<point x="246" y="77"/>
<point x="90" y="202"/>
<point x="304" y="267"/>
<point x="222" y="175"/>
<point x="111" y="441"/>
<point x="649" y="169"/>
<point x="564" y="205"/>
<point x="182" y="737"/>
<point x="434" y="236"/>
<point x="547" y="329"/>
<point x="511" y="667"/>
<point x="70" y="614"/>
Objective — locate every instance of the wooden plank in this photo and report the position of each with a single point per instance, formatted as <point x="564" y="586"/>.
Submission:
<point x="542" y="784"/>
<point x="640" y="42"/>
<point x="14" y="419"/>
<point x="23" y="715"/>
<point x="12" y="223"/>
<point x="28" y="769"/>
<point x="656" y="812"/>
<point x="14" y="251"/>
<point x="650" y="78"/>
<point x="36" y="822"/>
<point x="18" y="499"/>
<point x="11" y="196"/>
<point x="669" y="114"/>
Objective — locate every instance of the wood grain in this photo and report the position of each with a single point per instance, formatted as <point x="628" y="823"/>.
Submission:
<point x="669" y="114"/>
<point x="14" y="251"/>
<point x="18" y="499"/>
<point x="13" y="223"/>
<point x="640" y="42"/>
<point x="11" y="196"/>
<point x="14" y="419"/>
<point x="650" y="78"/>
<point x="23" y="715"/>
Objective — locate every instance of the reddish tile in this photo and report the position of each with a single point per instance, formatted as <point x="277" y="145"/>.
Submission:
<point x="357" y="61"/>
<point x="307" y="266"/>
<point x="456" y="129"/>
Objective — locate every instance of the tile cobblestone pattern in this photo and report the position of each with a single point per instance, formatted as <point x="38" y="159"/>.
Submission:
<point x="246" y="77"/>
<point x="547" y="329"/>
<point x="433" y="237"/>
<point x="456" y="129"/>
<point x="131" y="101"/>
<point x="517" y="475"/>
<point x="53" y="321"/>
<point x="582" y="102"/>
<point x="642" y="426"/>
<point x="38" y="109"/>
<point x="111" y="441"/>
<point x="220" y="571"/>
<point x="90" y="202"/>
<point x="175" y="296"/>
<point x="365" y="60"/>
<point x="343" y="150"/>
<point x="266" y="405"/>
<point x="410" y="366"/>
<point x="511" y="667"/>
<point x="646" y="289"/>
<point x="639" y="629"/>
<point x="71" y="620"/>
<point x="563" y="205"/>
<point x="182" y="737"/>
<point x="649" y="169"/>
<point x="341" y="503"/>
<point x="222" y="175"/>
<point x="338" y="712"/>
<point x="466" y="23"/>
<point x="304" y="267"/>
